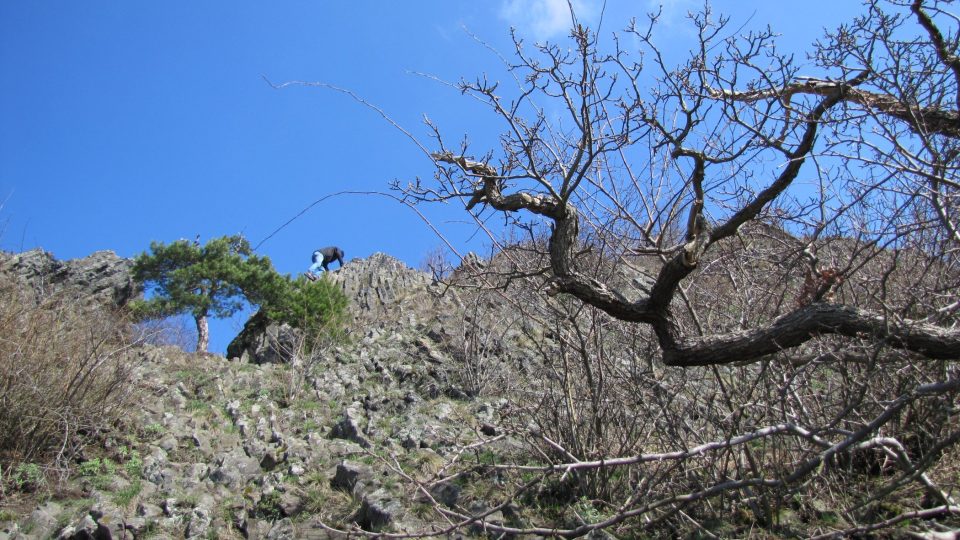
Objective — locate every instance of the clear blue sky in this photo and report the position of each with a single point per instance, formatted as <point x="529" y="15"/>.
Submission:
<point x="126" y="122"/>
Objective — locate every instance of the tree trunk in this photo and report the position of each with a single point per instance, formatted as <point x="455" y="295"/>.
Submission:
<point x="203" y="334"/>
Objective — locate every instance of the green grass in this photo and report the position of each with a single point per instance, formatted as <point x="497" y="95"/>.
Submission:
<point x="197" y="405"/>
<point x="333" y="506"/>
<point x="154" y="430"/>
<point x="586" y="510"/>
<point x="487" y="457"/>
<point x="152" y="530"/>
<point x="124" y="496"/>
<point x="100" y="472"/>
<point x="97" y="466"/>
<point x="134" y="465"/>
<point x="268" y="507"/>
<point x="197" y="377"/>
<point x="27" y="476"/>
<point x="190" y="499"/>
<point x="309" y="405"/>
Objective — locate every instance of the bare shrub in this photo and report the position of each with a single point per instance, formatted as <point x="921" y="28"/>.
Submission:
<point x="482" y="362"/>
<point x="828" y="437"/>
<point x="65" y="370"/>
<point x="437" y="263"/>
<point x="177" y="331"/>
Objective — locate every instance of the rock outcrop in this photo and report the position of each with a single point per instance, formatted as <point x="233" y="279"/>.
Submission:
<point x="102" y="278"/>
<point x="381" y="290"/>
<point x="264" y="342"/>
<point x="378" y="284"/>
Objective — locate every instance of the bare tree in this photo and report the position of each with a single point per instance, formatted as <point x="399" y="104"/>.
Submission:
<point x="789" y="238"/>
<point x="731" y="137"/>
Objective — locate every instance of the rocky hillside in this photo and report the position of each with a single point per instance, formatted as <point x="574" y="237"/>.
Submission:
<point x="490" y="410"/>
<point x="280" y="442"/>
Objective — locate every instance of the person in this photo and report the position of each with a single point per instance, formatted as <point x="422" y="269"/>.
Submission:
<point x="322" y="258"/>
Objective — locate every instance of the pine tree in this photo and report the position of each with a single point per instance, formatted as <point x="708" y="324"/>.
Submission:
<point x="218" y="279"/>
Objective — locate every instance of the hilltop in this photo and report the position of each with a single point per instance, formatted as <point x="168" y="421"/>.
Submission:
<point x="271" y="444"/>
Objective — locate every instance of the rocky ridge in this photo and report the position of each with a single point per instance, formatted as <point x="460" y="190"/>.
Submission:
<point x="101" y="277"/>
<point x="228" y="448"/>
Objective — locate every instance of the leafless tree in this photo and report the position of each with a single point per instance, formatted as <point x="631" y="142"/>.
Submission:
<point x="790" y="239"/>
<point x="732" y="130"/>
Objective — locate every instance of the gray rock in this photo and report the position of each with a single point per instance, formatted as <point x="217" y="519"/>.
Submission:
<point x="109" y="516"/>
<point x="86" y="529"/>
<point x="168" y="443"/>
<point x="137" y="525"/>
<point x="446" y="493"/>
<point x="150" y="511"/>
<point x="44" y="520"/>
<point x="154" y="465"/>
<point x="270" y="460"/>
<point x="198" y="522"/>
<point x="233" y="409"/>
<point x="282" y="530"/>
<point x="291" y="504"/>
<point x="480" y="528"/>
<point x="234" y="469"/>
<point x="197" y="472"/>
<point x="201" y="443"/>
<point x="252" y="529"/>
<point x="102" y="278"/>
<point x="349" y="474"/>
<point x="264" y="342"/>
<point x="378" y="283"/>
<point x="378" y="510"/>
<point x="350" y="426"/>
<point x="170" y="507"/>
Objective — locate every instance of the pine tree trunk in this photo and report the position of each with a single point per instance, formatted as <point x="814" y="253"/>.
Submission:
<point x="203" y="334"/>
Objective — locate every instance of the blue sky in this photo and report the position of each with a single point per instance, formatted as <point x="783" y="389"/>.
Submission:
<point x="126" y="122"/>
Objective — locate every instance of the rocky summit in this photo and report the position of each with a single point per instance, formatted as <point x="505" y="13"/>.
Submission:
<point x="102" y="277"/>
<point x="276" y="441"/>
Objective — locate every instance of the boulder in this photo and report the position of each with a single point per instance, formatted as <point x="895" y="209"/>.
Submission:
<point x="350" y="474"/>
<point x="378" y="510"/>
<point x="350" y="426"/>
<point x="86" y="529"/>
<point x="265" y="342"/>
<point x="198" y="523"/>
<point x="44" y="520"/>
<point x="235" y="469"/>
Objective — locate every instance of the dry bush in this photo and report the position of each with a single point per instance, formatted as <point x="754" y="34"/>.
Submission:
<point x="179" y="331"/>
<point x="782" y="352"/>
<point x="834" y="436"/>
<point x="65" y="373"/>
<point x="437" y="263"/>
<point x="482" y="362"/>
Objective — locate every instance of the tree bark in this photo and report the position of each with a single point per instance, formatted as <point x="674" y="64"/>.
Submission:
<point x="203" y="334"/>
<point x="920" y="119"/>
<point x="800" y="326"/>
